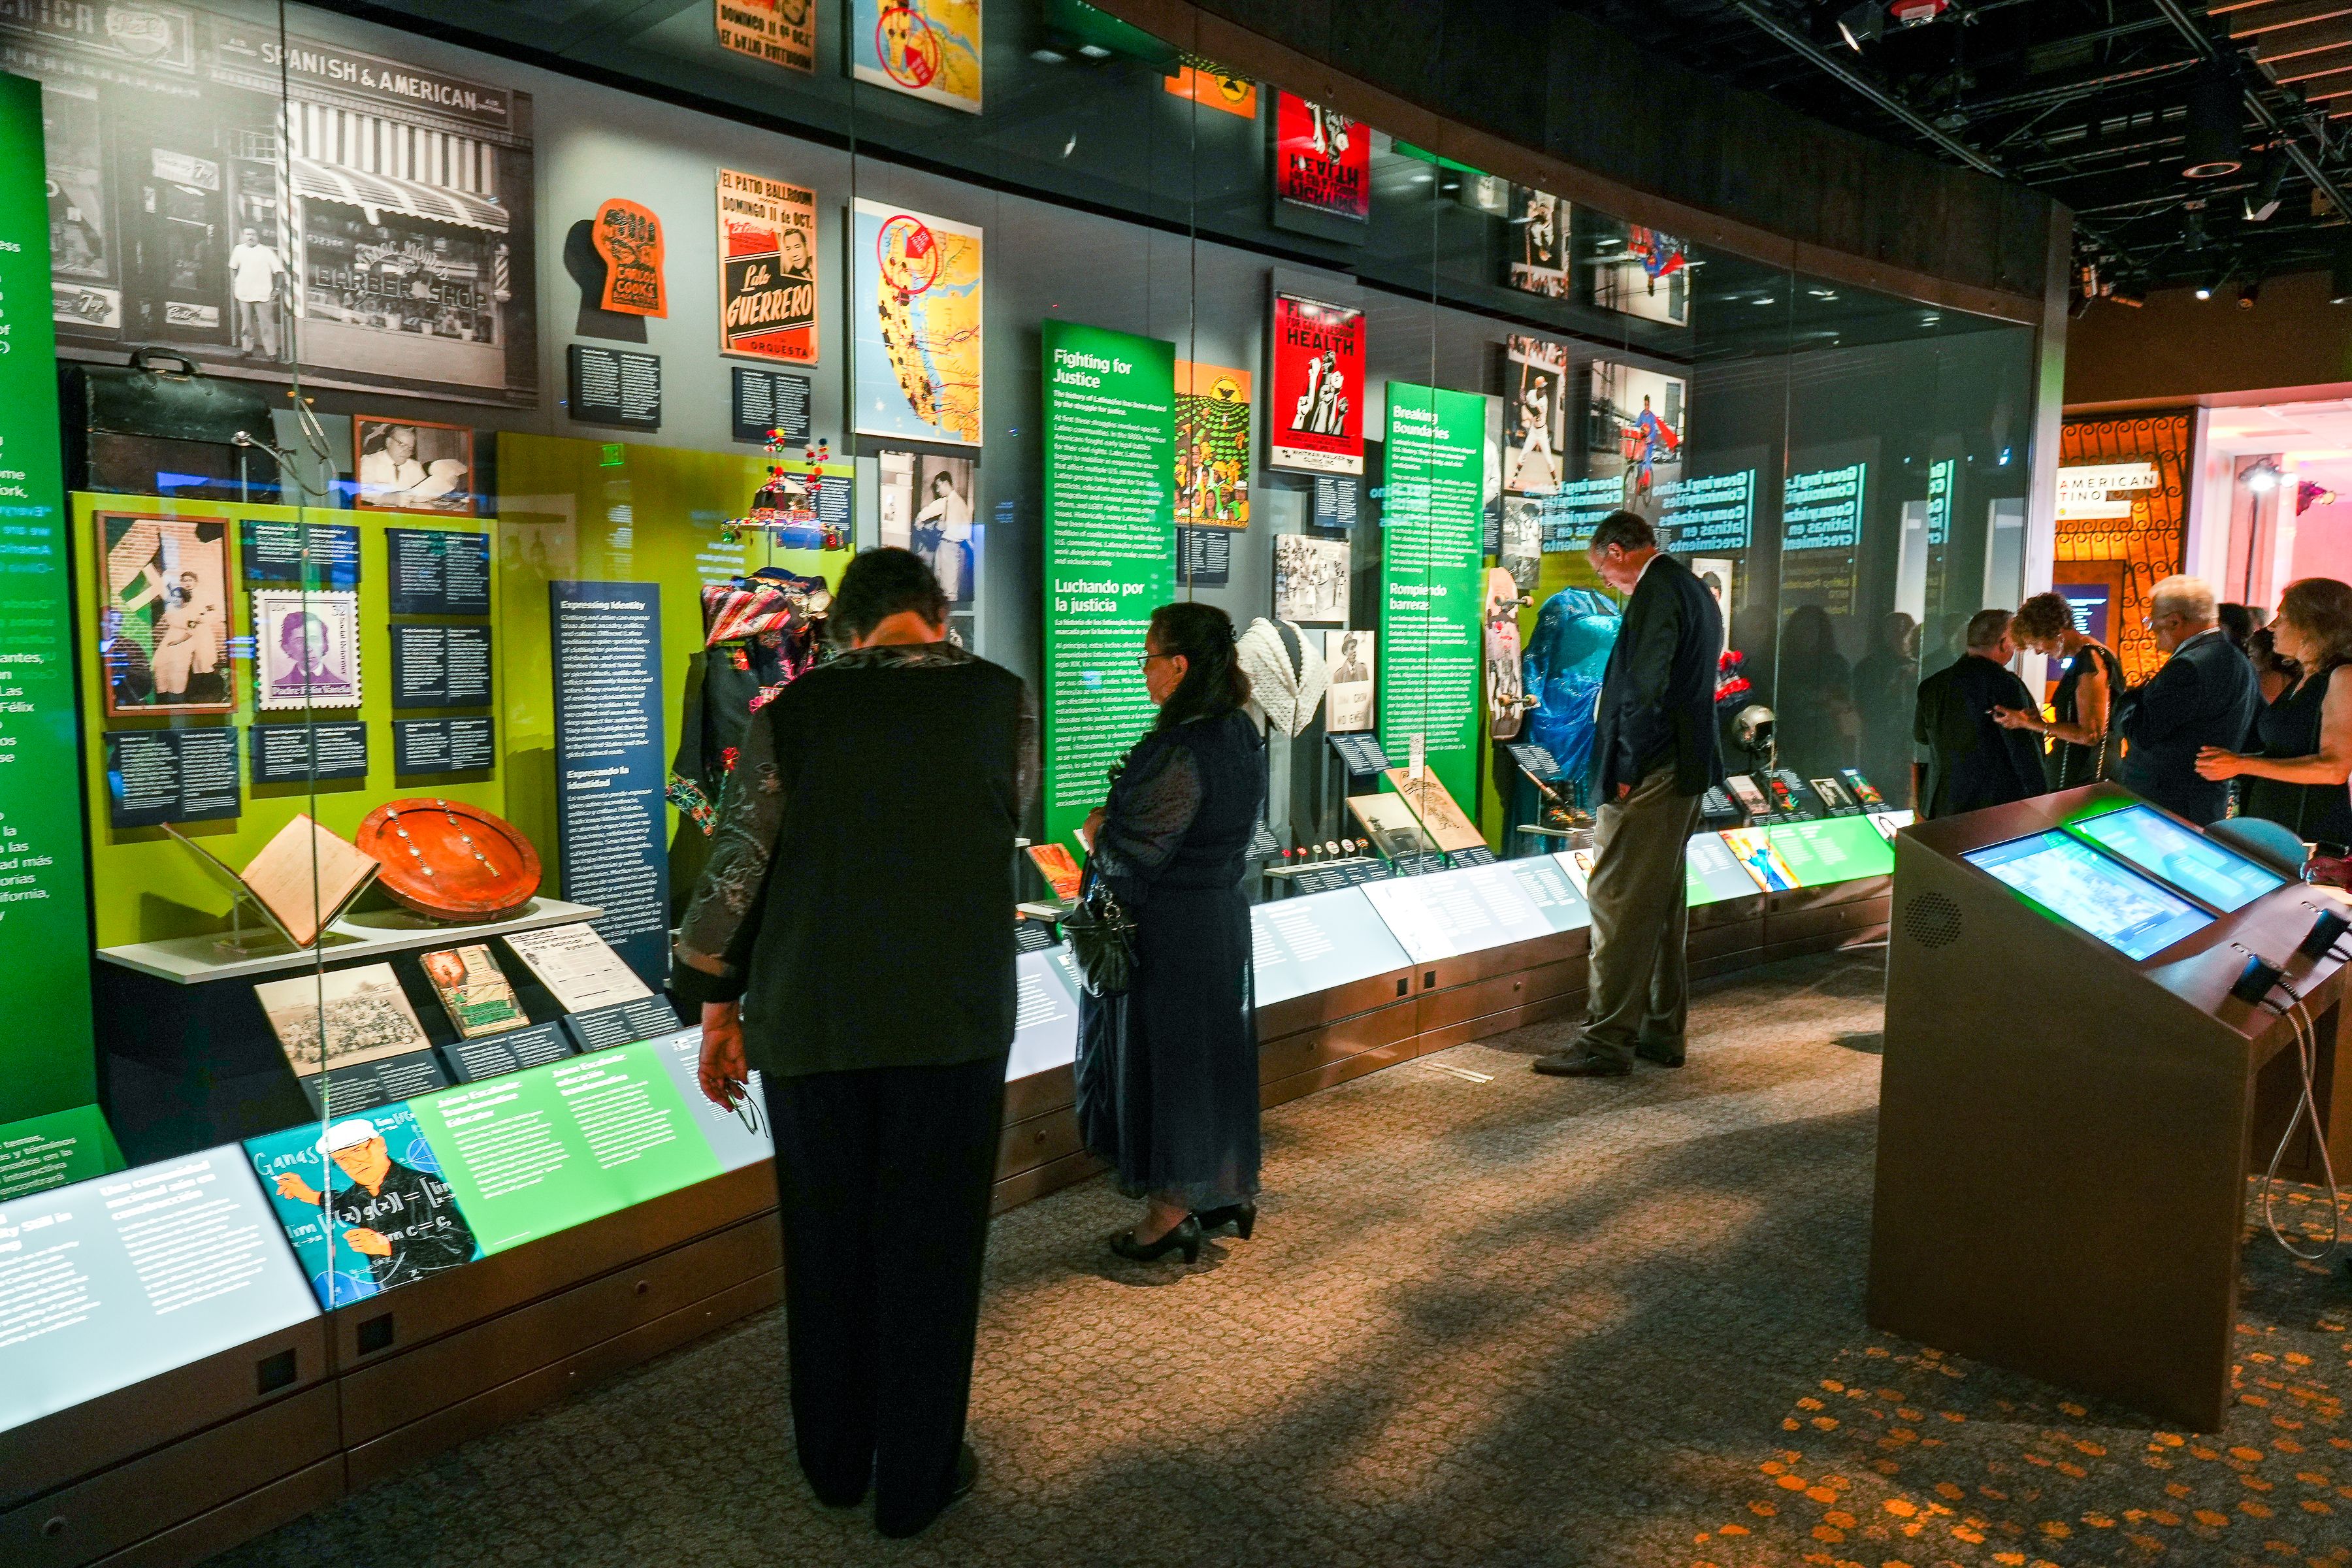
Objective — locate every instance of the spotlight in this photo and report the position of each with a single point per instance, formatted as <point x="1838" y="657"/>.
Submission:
<point x="2132" y="294"/>
<point x="2262" y="478"/>
<point x="2265" y="201"/>
<point x="2213" y="149"/>
<point x="1865" y="24"/>
<point x="2204" y="290"/>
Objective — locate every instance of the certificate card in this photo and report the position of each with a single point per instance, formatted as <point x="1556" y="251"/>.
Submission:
<point x="577" y="966"/>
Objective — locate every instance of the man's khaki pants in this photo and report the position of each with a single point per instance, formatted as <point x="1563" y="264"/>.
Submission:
<point x="1638" y="986"/>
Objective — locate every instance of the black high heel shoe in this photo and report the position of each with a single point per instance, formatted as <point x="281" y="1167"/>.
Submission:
<point x="1241" y="1217"/>
<point x="1183" y="1237"/>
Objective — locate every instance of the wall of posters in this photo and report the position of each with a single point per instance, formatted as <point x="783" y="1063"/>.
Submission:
<point x="781" y="32"/>
<point x="1539" y="251"/>
<point x="1316" y="413"/>
<point x="924" y="48"/>
<point x="767" y="269"/>
<point x="916" y="305"/>
<point x="1430" y="641"/>
<point x="387" y="206"/>
<point x="1535" y="414"/>
<point x="1636" y="432"/>
<point x="1322" y="157"/>
<point x="1651" y="278"/>
<point x="1212" y="446"/>
<point x="1110" y="550"/>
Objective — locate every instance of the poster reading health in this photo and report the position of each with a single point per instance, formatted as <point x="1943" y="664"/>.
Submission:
<point x="1314" y="420"/>
<point x="917" y="337"/>
<point x="1322" y="159"/>
<point x="767" y="269"/>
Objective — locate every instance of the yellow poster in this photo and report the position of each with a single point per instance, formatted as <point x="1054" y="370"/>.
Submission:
<point x="781" y="32"/>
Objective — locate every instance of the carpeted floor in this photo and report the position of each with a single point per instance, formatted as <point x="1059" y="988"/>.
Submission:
<point x="1517" y="1320"/>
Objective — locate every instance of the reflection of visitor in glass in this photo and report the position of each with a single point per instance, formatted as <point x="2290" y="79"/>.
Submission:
<point x="1818" y="724"/>
<point x="1885" y="688"/>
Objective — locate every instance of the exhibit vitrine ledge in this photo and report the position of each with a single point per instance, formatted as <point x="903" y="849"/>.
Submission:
<point x="431" y="461"/>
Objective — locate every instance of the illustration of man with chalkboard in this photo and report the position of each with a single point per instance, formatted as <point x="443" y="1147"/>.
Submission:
<point x="403" y="1221"/>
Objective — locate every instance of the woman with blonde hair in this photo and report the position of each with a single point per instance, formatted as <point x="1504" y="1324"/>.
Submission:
<point x="2087" y="689"/>
<point x="2297" y="776"/>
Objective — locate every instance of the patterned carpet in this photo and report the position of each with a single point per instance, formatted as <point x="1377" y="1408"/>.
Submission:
<point x="1510" y="1322"/>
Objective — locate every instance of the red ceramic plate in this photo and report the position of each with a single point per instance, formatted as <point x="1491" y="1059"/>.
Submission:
<point x="450" y="860"/>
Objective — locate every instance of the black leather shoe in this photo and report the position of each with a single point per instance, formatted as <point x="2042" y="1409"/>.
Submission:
<point x="1665" y="1055"/>
<point x="1183" y="1237"/>
<point x="1580" y="1064"/>
<point x="1241" y="1217"/>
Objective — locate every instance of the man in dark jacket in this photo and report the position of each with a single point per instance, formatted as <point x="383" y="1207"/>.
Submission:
<point x="2206" y="695"/>
<point x="852" y="939"/>
<point x="1973" y="761"/>
<point x="1654" y="753"/>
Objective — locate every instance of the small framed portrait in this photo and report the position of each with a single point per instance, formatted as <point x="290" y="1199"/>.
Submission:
<point x="162" y="622"/>
<point x="412" y="465"/>
<point x="306" y="649"/>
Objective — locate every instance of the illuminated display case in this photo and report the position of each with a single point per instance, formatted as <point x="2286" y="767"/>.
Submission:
<point x="372" y="686"/>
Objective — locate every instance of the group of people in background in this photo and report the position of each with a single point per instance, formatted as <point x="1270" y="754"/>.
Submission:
<point x="2247" y="712"/>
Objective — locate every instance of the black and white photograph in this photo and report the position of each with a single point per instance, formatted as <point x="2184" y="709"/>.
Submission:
<point x="925" y="506"/>
<point x="1522" y="551"/>
<point x="1539" y="244"/>
<point x="163" y="626"/>
<point x="412" y="465"/>
<point x="341" y="1018"/>
<point x="192" y="209"/>
<point x="306" y="649"/>
<point x="1535" y="414"/>
<point x="1347" y="699"/>
<point x="1311" y="579"/>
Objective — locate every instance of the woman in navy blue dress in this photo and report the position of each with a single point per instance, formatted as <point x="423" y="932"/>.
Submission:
<point x="1167" y="1074"/>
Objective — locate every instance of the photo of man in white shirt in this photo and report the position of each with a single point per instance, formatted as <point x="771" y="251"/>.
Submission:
<point x="254" y="270"/>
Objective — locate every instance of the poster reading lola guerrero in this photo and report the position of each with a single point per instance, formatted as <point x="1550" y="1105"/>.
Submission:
<point x="1315" y="416"/>
<point x="767" y="269"/>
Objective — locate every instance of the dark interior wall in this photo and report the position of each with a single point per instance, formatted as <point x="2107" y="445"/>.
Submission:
<point x="2180" y="347"/>
<point x="1594" y="98"/>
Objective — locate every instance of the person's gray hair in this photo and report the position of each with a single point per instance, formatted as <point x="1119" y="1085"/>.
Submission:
<point x="1987" y="628"/>
<point x="2190" y="599"/>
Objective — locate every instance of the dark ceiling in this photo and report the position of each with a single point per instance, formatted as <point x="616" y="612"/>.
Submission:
<point x="2086" y="100"/>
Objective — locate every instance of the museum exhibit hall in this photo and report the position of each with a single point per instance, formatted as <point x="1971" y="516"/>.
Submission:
<point x="1175" y="782"/>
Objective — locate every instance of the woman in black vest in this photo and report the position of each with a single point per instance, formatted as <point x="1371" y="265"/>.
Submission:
<point x="2297" y="777"/>
<point x="2092" y="678"/>
<point x="1167" y="1076"/>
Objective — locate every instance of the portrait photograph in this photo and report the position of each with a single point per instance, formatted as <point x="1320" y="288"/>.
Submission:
<point x="1311" y="579"/>
<point x="925" y="506"/>
<point x="1535" y="414"/>
<point x="412" y="465"/>
<point x="306" y="649"/>
<point x="1347" y="699"/>
<point x="162" y="622"/>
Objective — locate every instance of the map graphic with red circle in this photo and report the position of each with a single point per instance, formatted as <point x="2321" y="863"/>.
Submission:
<point x="909" y="253"/>
<point x="907" y="48"/>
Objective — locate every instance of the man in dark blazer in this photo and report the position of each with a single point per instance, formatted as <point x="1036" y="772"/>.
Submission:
<point x="851" y="939"/>
<point x="1973" y="761"/>
<point x="1654" y="753"/>
<point x="2205" y="695"/>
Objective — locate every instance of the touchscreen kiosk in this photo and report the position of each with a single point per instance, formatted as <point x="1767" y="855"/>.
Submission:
<point x="2192" y="862"/>
<point x="1317" y="942"/>
<point x="126" y="1276"/>
<point x="2070" y="881"/>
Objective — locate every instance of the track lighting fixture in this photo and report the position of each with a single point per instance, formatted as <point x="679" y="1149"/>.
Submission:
<point x="2215" y="106"/>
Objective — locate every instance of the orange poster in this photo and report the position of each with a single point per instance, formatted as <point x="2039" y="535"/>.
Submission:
<point x="781" y="32"/>
<point x="1209" y="84"/>
<point x="629" y="239"/>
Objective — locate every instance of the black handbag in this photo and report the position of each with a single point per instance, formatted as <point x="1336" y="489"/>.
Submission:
<point x="1102" y="938"/>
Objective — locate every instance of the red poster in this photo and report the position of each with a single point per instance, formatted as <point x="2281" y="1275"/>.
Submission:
<point x="1322" y="159"/>
<point x="1315" y="407"/>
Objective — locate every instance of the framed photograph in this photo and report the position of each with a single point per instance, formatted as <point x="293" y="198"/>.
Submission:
<point x="925" y="506"/>
<point x="412" y="465"/>
<point x="162" y="622"/>
<point x="341" y="1018"/>
<point x="306" y="649"/>
<point x="1539" y="256"/>
<point x="1535" y="414"/>
<point x="1347" y="700"/>
<point x="1311" y="579"/>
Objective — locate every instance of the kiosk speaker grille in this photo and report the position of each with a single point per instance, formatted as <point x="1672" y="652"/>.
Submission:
<point x="1931" y="920"/>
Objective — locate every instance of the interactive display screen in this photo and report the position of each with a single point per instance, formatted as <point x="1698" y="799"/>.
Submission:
<point x="2181" y="856"/>
<point x="1459" y="912"/>
<point x="1045" y="1015"/>
<point x="1838" y="850"/>
<point x="122" y="1278"/>
<point x="2071" y="881"/>
<point x="1713" y="873"/>
<point x="1753" y="849"/>
<point x="1316" y="942"/>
